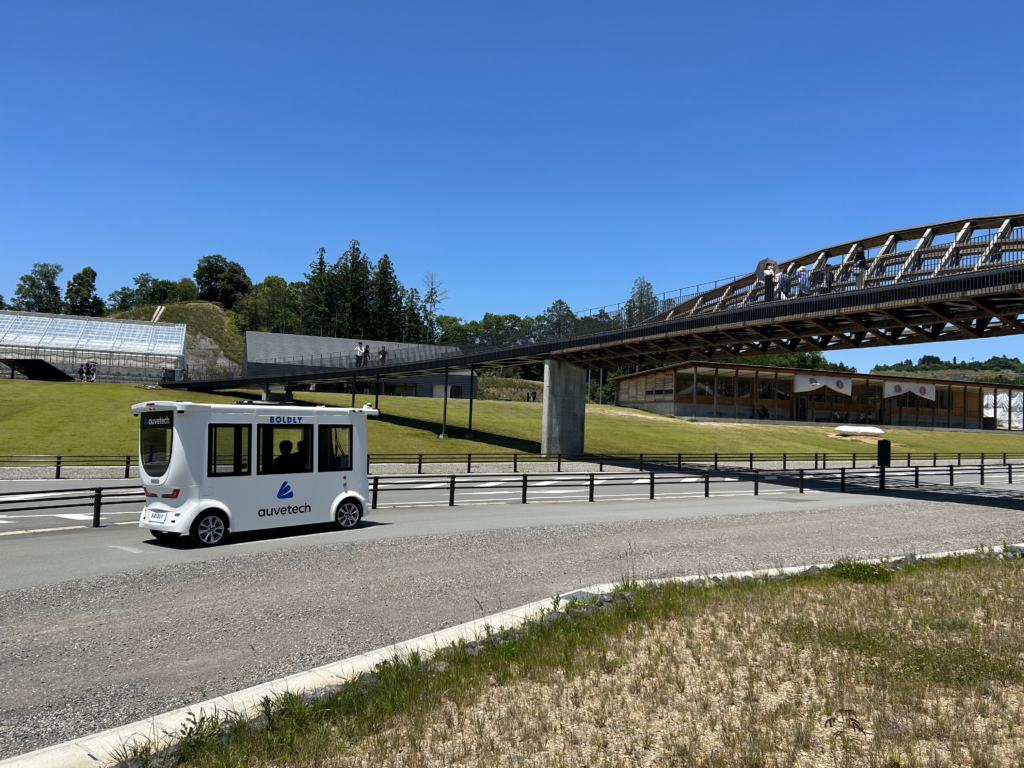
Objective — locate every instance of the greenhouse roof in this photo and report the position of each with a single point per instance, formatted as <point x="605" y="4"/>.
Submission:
<point x="99" y="334"/>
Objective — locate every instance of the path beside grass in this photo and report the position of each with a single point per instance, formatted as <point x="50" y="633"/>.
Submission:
<point x="84" y="419"/>
<point x="857" y="667"/>
<point x="87" y="655"/>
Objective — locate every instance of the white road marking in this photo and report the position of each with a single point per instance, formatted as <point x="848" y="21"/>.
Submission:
<point x="545" y="482"/>
<point x="126" y="549"/>
<point x="430" y="485"/>
<point x="491" y="485"/>
<point x="72" y="516"/>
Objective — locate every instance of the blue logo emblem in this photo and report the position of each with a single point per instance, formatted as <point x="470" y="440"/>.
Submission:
<point x="285" y="492"/>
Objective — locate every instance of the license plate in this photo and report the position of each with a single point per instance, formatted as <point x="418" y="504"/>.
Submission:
<point x="157" y="517"/>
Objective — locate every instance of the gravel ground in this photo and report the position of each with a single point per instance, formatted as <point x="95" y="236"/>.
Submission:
<point x="82" y="656"/>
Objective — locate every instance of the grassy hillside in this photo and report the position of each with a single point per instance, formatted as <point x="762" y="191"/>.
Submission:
<point x="48" y="417"/>
<point x="204" y="320"/>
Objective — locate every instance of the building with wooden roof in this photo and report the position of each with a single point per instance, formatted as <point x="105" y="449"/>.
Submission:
<point x="730" y="391"/>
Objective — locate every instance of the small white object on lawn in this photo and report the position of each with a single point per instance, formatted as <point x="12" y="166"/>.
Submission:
<point x="852" y="429"/>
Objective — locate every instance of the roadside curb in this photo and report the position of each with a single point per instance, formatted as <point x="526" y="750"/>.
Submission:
<point x="98" y="750"/>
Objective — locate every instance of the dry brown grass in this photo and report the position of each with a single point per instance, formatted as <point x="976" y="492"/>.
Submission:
<point x="818" y="673"/>
<point x="857" y="667"/>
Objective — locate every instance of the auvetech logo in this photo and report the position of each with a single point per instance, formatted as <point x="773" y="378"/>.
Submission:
<point x="286" y="510"/>
<point x="285" y="491"/>
<point x="156" y="421"/>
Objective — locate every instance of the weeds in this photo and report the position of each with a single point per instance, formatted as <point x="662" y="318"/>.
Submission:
<point x="845" y="669"/>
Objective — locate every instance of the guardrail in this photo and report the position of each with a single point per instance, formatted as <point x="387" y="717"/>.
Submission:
<point x="820" y="459"/>
<point x="87" y="497"/>
<point x="884" y="478"/>
<point x="60" y="461"/>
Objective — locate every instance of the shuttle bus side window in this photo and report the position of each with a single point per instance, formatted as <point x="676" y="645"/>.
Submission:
<point x="335" y="451"/>
<point x="229" y="450"/>
<point x="284" y="450"/>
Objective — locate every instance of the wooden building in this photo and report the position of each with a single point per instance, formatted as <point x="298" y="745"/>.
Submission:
<point x="732" y="391"/>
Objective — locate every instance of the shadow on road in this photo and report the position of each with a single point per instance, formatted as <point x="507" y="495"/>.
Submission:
<point x="183" y="541"/>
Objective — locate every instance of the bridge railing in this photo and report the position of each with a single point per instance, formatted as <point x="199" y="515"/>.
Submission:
<point x="737" y="292"/>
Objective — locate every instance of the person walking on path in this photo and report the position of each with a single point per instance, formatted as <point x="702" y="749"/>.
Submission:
<point x="382" y="356"/>
<point x="785" y="283"/>
<point x="860" y="269"/>
<point x="769" y="282"/>
<point x="803" y="282"/>
<point x="81" y="373"/>
<point x="359" y="355"/>
<point x="92" y="372"/>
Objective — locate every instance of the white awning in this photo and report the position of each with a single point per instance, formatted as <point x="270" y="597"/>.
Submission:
<point x="893" y="388"/>
<point x="805" y="382"/>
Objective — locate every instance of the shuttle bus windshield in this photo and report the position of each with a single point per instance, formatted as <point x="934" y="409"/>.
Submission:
<point x="156" y="431"/>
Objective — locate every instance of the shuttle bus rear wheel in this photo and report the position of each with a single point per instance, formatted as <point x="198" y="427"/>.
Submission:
<point x="209" y="529"/>
<point x="348" y="514"/>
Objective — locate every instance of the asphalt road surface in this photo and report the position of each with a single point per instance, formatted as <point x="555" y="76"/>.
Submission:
<point x="29" y="505"/>
<point x="106" y="626"/>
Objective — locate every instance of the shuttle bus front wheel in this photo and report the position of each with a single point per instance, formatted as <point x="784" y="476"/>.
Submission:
<point x="348" y="514"/>
<point x="209" y="529"/>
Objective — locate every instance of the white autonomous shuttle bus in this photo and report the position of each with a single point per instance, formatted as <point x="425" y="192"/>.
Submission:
<point x="210" y="468"/>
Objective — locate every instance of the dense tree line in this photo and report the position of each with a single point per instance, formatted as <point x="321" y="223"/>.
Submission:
<point x="350" y="297"/>
<point x="933" y="363"/>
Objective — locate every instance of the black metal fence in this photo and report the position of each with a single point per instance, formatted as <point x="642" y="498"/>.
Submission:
<point x="424" y="462"/>
<point x="59" y="462"/>
<point x="842" y="479"/>
<point x="665" y="461"/>
<point x="95" y="498"/>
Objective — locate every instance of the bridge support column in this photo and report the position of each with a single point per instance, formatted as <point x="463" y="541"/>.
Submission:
<point x="565" y="408"/>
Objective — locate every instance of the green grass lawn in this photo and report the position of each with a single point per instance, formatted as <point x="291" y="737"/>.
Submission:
<point x="82" y="419"/>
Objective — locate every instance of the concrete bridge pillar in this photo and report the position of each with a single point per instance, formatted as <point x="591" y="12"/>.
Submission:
<point x="565" y="408"/>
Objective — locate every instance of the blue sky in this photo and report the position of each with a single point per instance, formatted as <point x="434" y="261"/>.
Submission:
<point x="524" y="152"/>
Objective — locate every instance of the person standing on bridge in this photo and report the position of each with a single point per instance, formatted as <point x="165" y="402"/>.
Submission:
<point x="382" y="356"/>
<point x="785" y="283"/>
<point x="860" y="269"/>
<point x="803" y="282"/>
<point x="359" y="355"/>
<point x="769" y="282"/>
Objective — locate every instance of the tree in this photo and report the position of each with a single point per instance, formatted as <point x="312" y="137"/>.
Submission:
<point x="183" y="290"/>
<point x="814" y="361"/>
<point x="207" y="275"/>
<point x="355" y="277"/>
<point x="436" y="294"/>
<point x="387" y="301"/>
<point x="414" y="328"/>
<point x="3" y="304"/>
<point x="233" y="283"/>
<point x="80" y="296"/>
<point x="557" y="322"/>
<point x="317" y="294"/>
<point x="122" y="299"/>
<point x="642" y="303"/>
<point x="38" y="290"/>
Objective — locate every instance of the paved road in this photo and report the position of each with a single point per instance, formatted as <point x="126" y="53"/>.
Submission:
<point x="31" y="505"/>
<point x="103" y="627"/>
